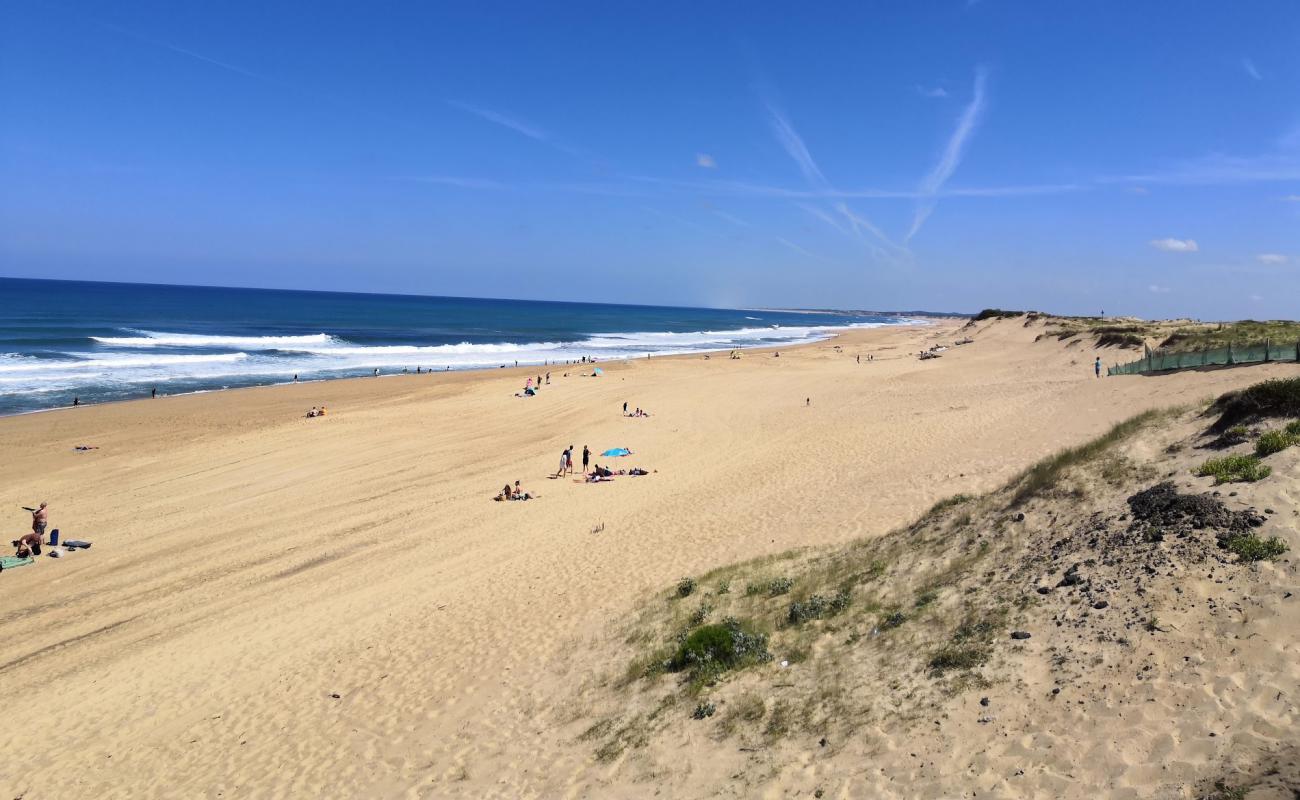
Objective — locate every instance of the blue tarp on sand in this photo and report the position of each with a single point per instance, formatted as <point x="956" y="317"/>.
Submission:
<point x="617" y="451"/>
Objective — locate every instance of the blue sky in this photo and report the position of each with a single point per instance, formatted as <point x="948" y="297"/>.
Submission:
<point x="1137" y="158"/>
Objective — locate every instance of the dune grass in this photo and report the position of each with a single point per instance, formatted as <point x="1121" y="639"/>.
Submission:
<point x="1234" y="469"/>
<point x="1279" y="397"/>
<point x="1271" y="442"/>
<point x="1047" y="473"/>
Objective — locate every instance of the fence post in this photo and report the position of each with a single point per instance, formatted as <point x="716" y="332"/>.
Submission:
<point x="1267" y="347"/>
<point x="1229" y="361"/>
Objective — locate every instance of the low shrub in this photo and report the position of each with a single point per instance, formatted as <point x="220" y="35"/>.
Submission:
<point x="818" y="607"/>
<point x="1293" y="428"/>
<point x="1250" y="547"/>
<point x="955" y="656"/>
<point x="716" y="648"/>
<point x="704" y="710"/>
<point x="1234" y="469"/>
<point x="1279" y="397"/>
<point x="700" y="614"/>
<point x="996" y="313"/>
<point x="892" y="620"/>
<point x="685" y="587"/>
<point x="1271" y="442"/>
<point x="773" y="588"/>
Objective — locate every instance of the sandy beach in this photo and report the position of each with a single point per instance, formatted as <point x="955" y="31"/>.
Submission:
<point x="277" y="606"/>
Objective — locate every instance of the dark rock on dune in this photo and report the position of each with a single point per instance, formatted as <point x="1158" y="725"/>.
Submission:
<point x="1020" y="634"/>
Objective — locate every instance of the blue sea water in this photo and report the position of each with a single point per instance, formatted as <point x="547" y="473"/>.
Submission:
<point x="98" y="342"/>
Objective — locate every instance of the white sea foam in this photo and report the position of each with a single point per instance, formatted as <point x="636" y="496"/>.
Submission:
<point x="125" y="362"/>
<point x="163" y="339"/>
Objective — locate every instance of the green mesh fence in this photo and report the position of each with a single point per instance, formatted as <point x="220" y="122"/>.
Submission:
<point x="1162" y="361"/>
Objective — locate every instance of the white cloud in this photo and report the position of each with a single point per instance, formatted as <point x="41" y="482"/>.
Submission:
<point x="1139" y="190"/>
<point x="1158" y="289"/>
<point x="1175" y="245"/>
<point x="1291" y="198"/>
<point x="1271" y="258"/>
<point x="705" y="160"/>
<point x="1256" y="297"/>
<point x="460" y="183"/>
<point x="950" y="159"/>
<point x="937" y="92"/>
<point x="505" y="121"/>
<point x="794" y="146"/>
<point x="1251" y="69"/>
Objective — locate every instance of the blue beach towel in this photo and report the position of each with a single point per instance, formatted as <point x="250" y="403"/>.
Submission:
<point x="617" y="451"/>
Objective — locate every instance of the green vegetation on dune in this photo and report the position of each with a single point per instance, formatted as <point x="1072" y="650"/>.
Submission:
<point x="1238" y="468"/>
<point x="1271" y="442"/>
<point x="1046" y="473"/>
<point x="1279" y="397"/>
<point x="1205" y="337"/>
<point x="1250" y="547"/>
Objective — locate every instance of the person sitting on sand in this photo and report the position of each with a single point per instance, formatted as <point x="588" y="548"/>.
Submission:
<point x="313" y="413"/>
<point x="322" y="412"/>
<point x="27" y="545"/>
<point x="520" y="494"/>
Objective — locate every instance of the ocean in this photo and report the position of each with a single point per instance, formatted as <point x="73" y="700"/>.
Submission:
<point x="99" y="342"/>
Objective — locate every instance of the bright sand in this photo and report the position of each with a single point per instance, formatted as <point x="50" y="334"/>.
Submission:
<point x="285" y="607"/>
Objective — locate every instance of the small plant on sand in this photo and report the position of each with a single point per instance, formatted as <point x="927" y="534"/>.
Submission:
<point x="1250" y="547"/>
<point x="700" y="614"/>
<point x="703" y="710"/>
<point x="1234" y="468"/>
<point x="724" y="587"/>
<point x="779" y="586"/>
<point x="1271" y="442"/>
<point x="685" y="587"/>
<point x="947" y="503"/>
<point x="1293" y="428"/>
<point x="926" y="598"/>
<point x="818" y="607"/>
<point x="954" y="656"/>
<point x="713" y="649"/>
<point x="892" y="620"/>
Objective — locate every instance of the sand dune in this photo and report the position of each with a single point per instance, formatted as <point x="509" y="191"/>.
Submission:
<point x="283" y="607"/>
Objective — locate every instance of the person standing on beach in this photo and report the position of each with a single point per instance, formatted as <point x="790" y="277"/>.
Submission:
<point x="564" y="463"/>
<point x="568" y="460"/>
<point x="586" y="459"/>
<point x="40" y="518"/>
<point x="153" y="393"/>
<point x="625" y="408"/>
<point x="1097" y="366"/>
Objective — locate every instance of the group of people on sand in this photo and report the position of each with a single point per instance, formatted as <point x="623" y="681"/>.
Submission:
<point x="509" y="492"/>
<point x="639" y="412"/>
<point x="316" y="412"/>
<point x="29" y="544"/>
<point x="599" y="473"/>
<point x="566" y="461"/>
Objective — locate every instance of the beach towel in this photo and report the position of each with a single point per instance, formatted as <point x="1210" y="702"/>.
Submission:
<point x="615" y="452"/>
<point x="9" y="562"/>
